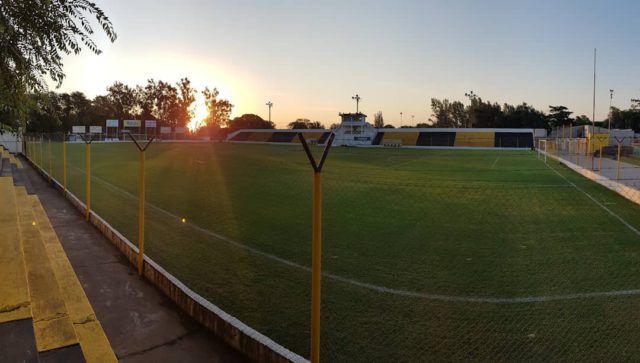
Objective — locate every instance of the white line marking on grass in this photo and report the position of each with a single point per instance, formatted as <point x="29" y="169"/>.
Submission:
<point x="632" y="228"/>
<point x="494" y="162"/>
<point x="383" y="289"/>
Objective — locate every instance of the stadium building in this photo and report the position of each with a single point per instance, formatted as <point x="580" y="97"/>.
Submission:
<point x="354" y="130"/>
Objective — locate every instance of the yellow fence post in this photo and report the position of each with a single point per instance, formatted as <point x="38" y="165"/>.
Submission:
<point x="618" y="164"/>
<point x="316" y="245"/>
<point x="141" y="214"/>
<point x="87" y="181"/>
<point x="64" y="164"/>
<point x="41" y="163"/>
<point x="141" y="202"/>
<point x="316" y="267"/>
<point x="49" y="152"/>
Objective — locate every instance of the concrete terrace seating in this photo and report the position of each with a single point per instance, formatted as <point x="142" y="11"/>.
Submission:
<point x="44" y="312"/>
<point x="5" y="154"/>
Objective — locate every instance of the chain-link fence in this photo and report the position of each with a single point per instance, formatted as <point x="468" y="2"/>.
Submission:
<point x="427" y="255"/>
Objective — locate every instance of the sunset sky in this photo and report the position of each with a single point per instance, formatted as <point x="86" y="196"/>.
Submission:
<point x="310" y="57"/>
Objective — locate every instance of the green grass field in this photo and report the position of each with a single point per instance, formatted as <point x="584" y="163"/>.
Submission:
<point x="428" y="255"/>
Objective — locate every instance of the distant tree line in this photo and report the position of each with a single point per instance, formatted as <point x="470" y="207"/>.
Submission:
<point x="481" y="113"/>
<point x="485" y="114"/>
<point x="169" y="104"/>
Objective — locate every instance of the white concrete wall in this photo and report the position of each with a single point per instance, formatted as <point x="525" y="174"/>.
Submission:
<point x="11" y="142"/>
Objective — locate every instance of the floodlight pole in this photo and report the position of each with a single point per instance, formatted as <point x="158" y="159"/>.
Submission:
<point x="269" y="104"/>
<point x="593" y="113"/>
<point x="357" y="98"/>
<point x="141" y="201"/>
<point x="400" y="119"/>
<point x="316" y="247"/>
<point x="610" y="113"/>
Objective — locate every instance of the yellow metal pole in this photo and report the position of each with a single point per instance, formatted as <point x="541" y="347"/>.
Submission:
<point x="316" y="252"/>
<point x="600" y="161"/>
<point x="87" y="181"/>
<point x="618" y="164"/>
<point x="141" y="215"/>
<point x="50" y="159"/>
<point x="64" y="164"/>
<point x="41" y="153"/>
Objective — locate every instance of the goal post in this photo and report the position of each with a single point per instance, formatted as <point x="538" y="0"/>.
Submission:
<point x="542" y="149"/>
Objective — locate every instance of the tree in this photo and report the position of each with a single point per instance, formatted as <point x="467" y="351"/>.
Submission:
<point x="123" y="99"/>
<point x="186" y="98"/>
<point x="559" y="115"/>
<point x="423" y="125"/>
<point x="522" y="116"/>
<point x="316" y="125"/>
<point x="485" y="114"/>
<point x="219" y="110"/>
<point x="378" y="120"/>
<point x="448" y="114"/>
<point x="101" y="108"/>
<point x="250" y="121"/>
<point x="34" y="35"/>
<point x="301" y="123"/>
<point x="166" y="107"/>
<point x="459" y="115"/>
<point x="389" y="127"/>
<point x="305" y="123"/>
<point x="441" y="116"/>
<point x="582" y="120"/>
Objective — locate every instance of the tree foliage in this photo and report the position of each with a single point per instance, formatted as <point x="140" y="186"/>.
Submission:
<point x="156" y="100"/>
<point x="218" y="110"/>
<point x="448" y="114"/>
<point x="559" y="115"/>
<point x="378" y="120"/>
<point x="305" y="123"/>
<point x="250" y="121"/>
<point x="34" y="36"/>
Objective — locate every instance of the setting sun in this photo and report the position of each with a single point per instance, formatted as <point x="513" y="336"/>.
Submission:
<point x="199" y="114"/>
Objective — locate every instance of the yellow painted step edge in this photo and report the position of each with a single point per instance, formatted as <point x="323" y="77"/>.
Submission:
<point x="93" y="341"/>
<point x="52" y="325"/>
<point x="14" y="290"/>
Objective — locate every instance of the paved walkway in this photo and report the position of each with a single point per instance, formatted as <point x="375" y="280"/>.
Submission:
<point x="629" y="173"/>
<point x="141" y="324"/>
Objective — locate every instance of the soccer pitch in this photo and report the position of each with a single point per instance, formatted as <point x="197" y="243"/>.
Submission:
<point x="427" y="254"/>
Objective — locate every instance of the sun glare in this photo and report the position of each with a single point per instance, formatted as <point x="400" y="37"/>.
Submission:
<point x="199" y="114"/>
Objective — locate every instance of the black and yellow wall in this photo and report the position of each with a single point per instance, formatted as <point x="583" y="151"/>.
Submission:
<point x="463" y="138"/>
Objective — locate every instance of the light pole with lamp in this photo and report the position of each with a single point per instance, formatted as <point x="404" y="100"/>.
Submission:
<point x="269" y="104"/>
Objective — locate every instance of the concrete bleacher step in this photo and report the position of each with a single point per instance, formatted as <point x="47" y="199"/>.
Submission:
<point x="52" y="325"/>
<point x="14" y="297"/>
<point x="93" y="341"/>
<point x="17" y="341"/>
<point x="45" y="316"/>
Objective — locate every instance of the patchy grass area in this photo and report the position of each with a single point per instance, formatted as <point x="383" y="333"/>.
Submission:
<point x="427" y="254"/>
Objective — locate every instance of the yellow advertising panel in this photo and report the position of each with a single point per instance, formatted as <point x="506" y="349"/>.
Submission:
<point x="407" y="138"/>
<point x="475" y="139"/>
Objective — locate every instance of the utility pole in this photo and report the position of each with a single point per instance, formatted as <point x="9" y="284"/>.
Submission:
<point x="269" y="104"/>
<point x="357" y="98"/>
